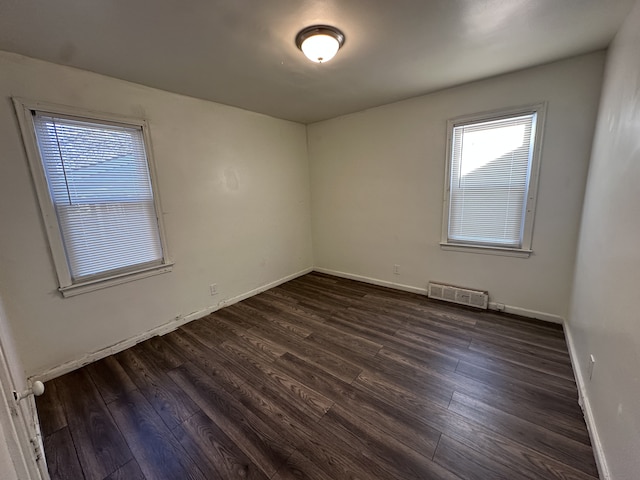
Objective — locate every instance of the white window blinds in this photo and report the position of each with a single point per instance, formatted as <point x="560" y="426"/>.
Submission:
<point x="99" y="183"/>
<point x="490" y="171"/>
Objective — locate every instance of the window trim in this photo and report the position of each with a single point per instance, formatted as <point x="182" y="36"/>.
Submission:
<point x="67" y="286"/>
<point x="524" y="251"/>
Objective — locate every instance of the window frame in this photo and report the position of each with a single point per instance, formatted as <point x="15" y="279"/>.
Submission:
<point x="67" y="286"/>
<point x="525" y="250"/>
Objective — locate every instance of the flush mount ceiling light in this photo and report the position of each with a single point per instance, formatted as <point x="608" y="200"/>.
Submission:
<point x="320" y="43"/>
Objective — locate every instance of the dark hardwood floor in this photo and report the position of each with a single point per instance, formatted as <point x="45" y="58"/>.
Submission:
<point x="326" y="378"/>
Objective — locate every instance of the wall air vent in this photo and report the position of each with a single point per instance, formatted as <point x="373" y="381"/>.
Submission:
<point x="463" y="296"/>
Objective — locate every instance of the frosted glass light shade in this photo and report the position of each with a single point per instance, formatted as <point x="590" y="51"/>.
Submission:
<point x="320" y="48"/>
<point x="320" y="43"/>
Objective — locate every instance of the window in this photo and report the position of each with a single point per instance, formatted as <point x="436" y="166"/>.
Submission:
<point x="491" y="181"/>
<point x="94" y="181"/>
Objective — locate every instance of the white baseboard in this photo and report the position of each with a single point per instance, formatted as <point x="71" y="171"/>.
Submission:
<point x="524" y="312"/>
<point x="265" y="287"/>
<point x="373" y="281"/>
<point x="583" y="400"/>
<point x="163" y="329"/>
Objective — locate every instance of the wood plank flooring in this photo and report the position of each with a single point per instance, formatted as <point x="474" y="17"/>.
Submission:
<point x="324" y="378"/>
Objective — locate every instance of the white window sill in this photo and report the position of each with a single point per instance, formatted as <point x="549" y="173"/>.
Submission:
<point x="90" y="286"/>
<point x="486" y="250"/>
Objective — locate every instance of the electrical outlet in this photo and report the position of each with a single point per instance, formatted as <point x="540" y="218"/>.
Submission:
<point x="213" y="288"/>
<point x="396" y="269"/>
<point x="592" y="362"/>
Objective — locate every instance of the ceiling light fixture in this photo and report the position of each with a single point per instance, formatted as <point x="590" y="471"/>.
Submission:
<point x="320" y="43"/>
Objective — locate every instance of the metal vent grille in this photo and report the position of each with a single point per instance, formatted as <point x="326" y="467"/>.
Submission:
<point x="463" y="296"/>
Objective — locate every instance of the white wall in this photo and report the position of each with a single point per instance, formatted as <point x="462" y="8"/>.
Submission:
<point x="377" y="180"/>
<point x="604" y="319"/>
<point x="235" y="192"/>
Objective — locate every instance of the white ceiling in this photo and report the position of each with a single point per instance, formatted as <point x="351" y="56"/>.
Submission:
<point x="242" y="52"/>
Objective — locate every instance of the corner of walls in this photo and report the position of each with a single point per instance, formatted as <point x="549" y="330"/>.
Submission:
<point x="310" y="193"/>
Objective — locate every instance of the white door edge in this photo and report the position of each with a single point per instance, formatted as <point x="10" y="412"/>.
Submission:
<point x="19" y="420"/>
